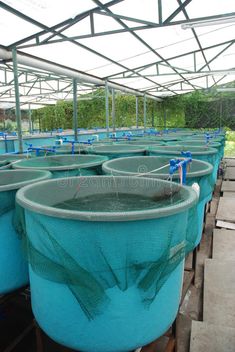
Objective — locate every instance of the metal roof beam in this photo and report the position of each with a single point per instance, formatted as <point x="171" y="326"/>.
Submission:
<point x="32" y="61"/>
<point x="171" y="58"/>
<point x="163" y="23"/>
<point x="208" y="73"/>
<point x="83" y="36"/>
<point x="195" y="36"/>
<point x="131" y="32"/>
<point x="215" y="57"/>
<point x="70" y="22"/>
<point x="52" y="29"/>
<point x="72" y="41"/>
<point x="177" y="11"/>
<point x="138" y="38"/>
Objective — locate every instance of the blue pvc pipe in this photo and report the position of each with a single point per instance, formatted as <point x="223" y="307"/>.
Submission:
<point x="175" y="164"/>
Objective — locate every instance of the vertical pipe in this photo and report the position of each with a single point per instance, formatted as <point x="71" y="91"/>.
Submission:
<point x="152" y="102"/>
<point x="160" y="11"/>
<point x="17" y="100"/>
<point x="113" y="110"/>
<point x="145" y="112"/>
<point x="165" y="117"/>
<point x="75" y="109"/>
<point x="39" y="123"/>
<point x="4" y="117"/>
<point x="137" y="111"/>
<point x="156" y="116"/>
<point x="30" y="119"/>
<point x="107" y="107"/>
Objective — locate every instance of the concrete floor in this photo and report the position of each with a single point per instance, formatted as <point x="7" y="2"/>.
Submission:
<point x="201" y="339"/>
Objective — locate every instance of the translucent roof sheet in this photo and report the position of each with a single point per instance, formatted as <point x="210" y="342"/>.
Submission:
<point x="142" y="45"/>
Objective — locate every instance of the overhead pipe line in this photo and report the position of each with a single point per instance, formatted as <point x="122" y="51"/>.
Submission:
<point x="33" y="61"/>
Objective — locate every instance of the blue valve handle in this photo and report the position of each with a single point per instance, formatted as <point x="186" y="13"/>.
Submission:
<point x="175" y="164"/>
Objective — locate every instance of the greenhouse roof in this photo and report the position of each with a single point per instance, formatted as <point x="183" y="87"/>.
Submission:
<point x="155" y="48"/>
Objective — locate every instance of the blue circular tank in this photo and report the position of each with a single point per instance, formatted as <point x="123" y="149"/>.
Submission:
<point x="13" y="267"/>
<point x="106" y="258"/>
<point x="12" y="157"/>
<point x="117" y="150"/>
<point x="199" y="172"/>
<point x="201" y="143"/>
<point x="204" y="153"/>
<point x="143" y="142"/>
<point x="7" y="159"/>
<point x="64" y="165"/>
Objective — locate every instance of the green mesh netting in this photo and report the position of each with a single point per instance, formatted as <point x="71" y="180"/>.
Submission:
<point x="94" y="251"/>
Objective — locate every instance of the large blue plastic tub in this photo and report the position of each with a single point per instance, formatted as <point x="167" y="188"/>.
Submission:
<point x="117" y="150"/>
<point x="6" y="160"/>
<point x="143" y="142"/>
<point x="210" y="155"/>
<point x="105" y="280"/>
<point x="13" y="267"/>
<point x="64" y="165"/>
<point x="201" y="143"/>
<point x="200" y="172"/>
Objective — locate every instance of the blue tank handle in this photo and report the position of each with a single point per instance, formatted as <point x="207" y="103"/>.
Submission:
<point x="175" y="164"/>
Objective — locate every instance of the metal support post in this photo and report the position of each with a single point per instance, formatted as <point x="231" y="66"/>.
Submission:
<point x="17" y="100"/>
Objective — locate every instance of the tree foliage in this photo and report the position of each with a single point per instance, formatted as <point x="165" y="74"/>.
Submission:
<point x="195" y="110"/>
